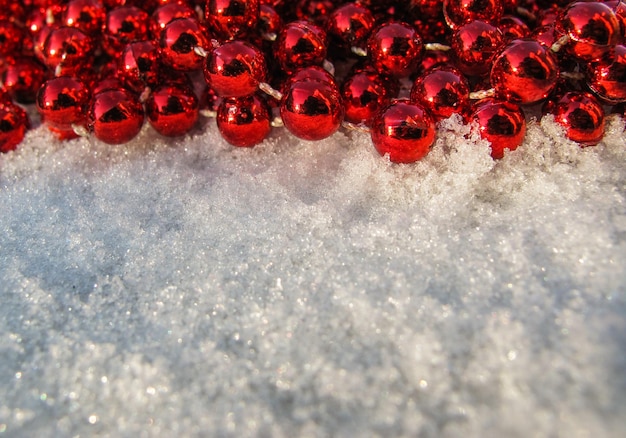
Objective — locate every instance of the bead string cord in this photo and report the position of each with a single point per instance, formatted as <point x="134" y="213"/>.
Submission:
<point x="272" y="63"/>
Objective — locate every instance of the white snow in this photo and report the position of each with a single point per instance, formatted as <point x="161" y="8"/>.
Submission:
<point x="188" y="288"/>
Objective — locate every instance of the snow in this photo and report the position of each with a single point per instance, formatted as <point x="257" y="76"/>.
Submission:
<point x="189" y="288"/>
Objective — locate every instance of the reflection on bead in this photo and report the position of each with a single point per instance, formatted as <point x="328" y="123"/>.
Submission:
<point x="300" y="44"/>
<point x="460" y="12"/>
<point x="115" y="116"/>
<point x="67" y="49"/>
<point x="501" y="123"/>
<point x="244" y="121"/>
<point x="443" y="91"/>
<point x="365" y="92"/>
<point x="235" y="69"/>
<point x="475" y="45"/>
<point x="172" y="110"/>
<point x="86" y="15"/>
<point x="395" y="48"/>
<point x="62" y="102"/>
<point x="139" y="65"/>
<point x="167" y="13"/>
<point x="22" y="78"/>
<point x="230" y="19"/>
<point x="13" y="126"/>
<point x="122" y="26"/>
<point x="178" y="41"/>
<point x="350" y="25"/>
<point x="607" y="77"/>
<point x="404" y="130"/>
<point x="581" y="115"/>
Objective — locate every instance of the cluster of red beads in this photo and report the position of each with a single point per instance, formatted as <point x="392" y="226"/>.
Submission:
<point x="104" y="66"/>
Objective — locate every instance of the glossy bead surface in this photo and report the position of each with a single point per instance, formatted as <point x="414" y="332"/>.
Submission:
<point x="475" y="45"/>
<point x="501" y="123"/>
<point x="13" y="126"/>
<point x="395" y="48"/>
<point x="167" y="13"/>
<point x="312" y="110"/>
<point x="404" y="130"/>
<point x="22" y="78"/>
<point x="178" y="41"/>
<point x="460" y="12"/>
<point x="313" y="72"/>
<point x="442" y="91"/>
<point x="244" y="121"/>
<point x="314" y="11"/>
<point x="300" y="44"/>
<point x="350" y="25"/>
<point x="235" y="69"/>
<point x="115" y="116"/>
<point x="172" y="110"/>
<point x="86" y="15"/>
<point x="62" y="101"/>
<point x="364" y="93"/>
<point x="139" y="65"/>
<point x="592" y="27"/>
<point x="11" y="37"/>
<point x="67" y="49"/>
<point x="231" y="18"/>
<point x="607" y="77"/>
<point x="124" y="25"/>
<point x="581" y="115"/>
<point x="525" y="72"/>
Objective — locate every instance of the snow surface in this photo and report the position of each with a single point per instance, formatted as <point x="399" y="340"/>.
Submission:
<point x="189" y="288"/>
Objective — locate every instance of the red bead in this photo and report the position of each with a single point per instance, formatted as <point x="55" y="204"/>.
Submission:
<point x="66" y="50"/>
<point x="13" y="126"/>
<point x="22" y="78"/>
<point x="139" y="65"/>
<point x="313" y="72"/>
<point x="314" y="11"/>
<point x="230" y="19"/>
<point x="501" y="123"/>
<point x="365" y="92"/>
<point x="235" y="69"/>
<point x="395" y="49"/>
<point x="513" y="28"/>
<point x="62" y="101"/>
<point x="460" y="12"/>
<point x="433" y="59"/>
<point x="607" y="77"/>
<point x="178" y="41"/>
<point x="172" y="110"/>
<point x="525" y="72"/>
<point x="475" y="45"/>
<point x="592" y="27"/>
<point x="312" y="110"/>
<point x="244" y="121"/>
<point x="270" y="22"/>
<point x="581" y="115"/>
<point x="442" y="91"/>
<point x="124" y="25"/>
<point x="115" y="116"/>
<point x="165" y="14"/>
<point x="86" y="15"/>
<point x="350" y="25"/>
<point x="300" y="44"/>
<point x="11" y="38"/>
<point x="404" y="130"/>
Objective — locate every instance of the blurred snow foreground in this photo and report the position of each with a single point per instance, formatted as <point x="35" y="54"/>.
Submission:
<point x="189" y="288"/>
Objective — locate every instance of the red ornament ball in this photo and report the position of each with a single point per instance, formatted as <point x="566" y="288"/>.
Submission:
<point x="365" y="92"/>
<point x="404" y="130"/>
<point x="14" y="123"/>
<point x="525" y="72"/>
<point x="607" y="77"/>
<point x="460" y="12"/>
<point x="167" y="13"/>
<point x="22" y="78"/>
<point x="172" y="110"/>
<point x="124" y="25"/>
<point x="350" y="25"/>
<point x="501" y="123"/>
<point x="300" y="44"/>
<point x="62" y="102"/>
<point x="395" y="48"/>
<point x="312" y="110"/>
<point x="86" y="15"/>
<point x="244" y="121"/>
<point x="235" y="69"/>
<point x="582" y="116"/>
<point x="115" y="116"/>
<point x="475" y="45"/>
<point x="443" y="91"/>
<point x="66" y="50"/>
<point x="230" y="19"/>
<point x="178" y="42"/>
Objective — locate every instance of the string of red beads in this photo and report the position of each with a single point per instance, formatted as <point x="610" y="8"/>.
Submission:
<point x="103" y="67"/>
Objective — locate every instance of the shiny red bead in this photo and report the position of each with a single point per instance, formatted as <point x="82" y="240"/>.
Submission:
<point x="270" y="22"/>
<point x="11" y="38"/>
<point x="313" y="72"/>
<point x="172" y="110"/>
<point x="230" y="19"/>
<point x="501" y="123"/>
<point x="592" y="27"/>
<point x="66" y="50"/>
<point x="525" y="72"/>
<point x="350" y="25"/>
<point x="62" y="102"/>
<point x="442" y="91"/>
<point x="139" y="65"/>
<point x="244" y="121"/>
<point x="314" y="11"/>
<point x="22" y="78"/>
<point x="365" y="92"/>
<point x="300" y="44"/>
<point x="607" y="77"/>
<point x="395" y="49"/>
<point x="312" y="110"/>
<point x="235" y="69"/>
<point x="115" y="116"/>
<point x="124" y="25"/>
<point x="14" y="123"/>
<point x="475" y="45"/>
<point x="404" y="130"/>
<point x="167" y="13"/>
<point x="581" y="115"/>
<point x="86" y="15"/>
<point x="513" y="28"/>
<point x="178" y="41"/>
<point x="460" y="12"/>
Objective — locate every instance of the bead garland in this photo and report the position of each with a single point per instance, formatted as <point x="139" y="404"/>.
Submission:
<point x="102" y="67"/>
